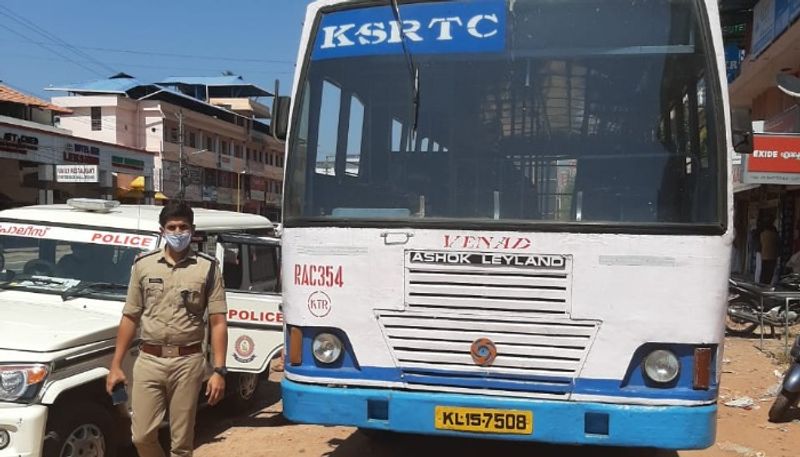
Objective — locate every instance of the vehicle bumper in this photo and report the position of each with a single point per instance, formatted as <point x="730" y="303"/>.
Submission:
<point x="566" y="422"/>
<point x="25" y="424"/>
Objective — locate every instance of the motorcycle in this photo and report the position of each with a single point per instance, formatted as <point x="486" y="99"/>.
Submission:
<point x="790" y="389"/>
<point x="745" y="311"/>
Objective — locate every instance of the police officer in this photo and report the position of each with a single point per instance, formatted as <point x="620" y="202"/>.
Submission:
<point x="169" y="291"/>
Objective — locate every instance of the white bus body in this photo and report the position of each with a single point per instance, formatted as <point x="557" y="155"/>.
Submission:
<point x="509" y="219"/>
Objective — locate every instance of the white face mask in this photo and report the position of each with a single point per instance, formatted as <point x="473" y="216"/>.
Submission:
<point x="178" y="241"/>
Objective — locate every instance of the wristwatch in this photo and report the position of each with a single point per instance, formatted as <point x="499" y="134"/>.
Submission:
<point x="222" y="371"/>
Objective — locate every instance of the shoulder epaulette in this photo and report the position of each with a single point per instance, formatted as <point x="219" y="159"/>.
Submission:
<point x="208" y="257"/>
<point x="146" y="254"/>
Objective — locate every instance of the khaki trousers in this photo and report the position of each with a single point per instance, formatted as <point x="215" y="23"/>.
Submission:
<point x="160" y="383"/>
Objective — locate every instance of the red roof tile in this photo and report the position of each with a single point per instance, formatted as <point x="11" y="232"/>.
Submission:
<point x="8" y="94"/>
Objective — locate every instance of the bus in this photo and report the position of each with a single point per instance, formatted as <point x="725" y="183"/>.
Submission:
<point x="509" y="219"/>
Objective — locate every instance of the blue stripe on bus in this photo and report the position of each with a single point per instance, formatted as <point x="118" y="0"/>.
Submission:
<point x="669" y="427"/>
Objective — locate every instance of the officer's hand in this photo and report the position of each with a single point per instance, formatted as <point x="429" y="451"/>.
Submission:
<point x="215" y="389"/>
<point x="115" y="376"/>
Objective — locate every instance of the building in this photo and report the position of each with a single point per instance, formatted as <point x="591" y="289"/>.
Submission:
<point x="210" y="131"/>
<point x="761" y="45"/>
<point x="40" y="163"/>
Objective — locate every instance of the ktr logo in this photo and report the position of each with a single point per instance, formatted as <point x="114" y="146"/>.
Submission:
<point x="479" y="26"/>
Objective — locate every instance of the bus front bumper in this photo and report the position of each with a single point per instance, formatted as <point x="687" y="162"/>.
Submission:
<point x="565" y="422"/>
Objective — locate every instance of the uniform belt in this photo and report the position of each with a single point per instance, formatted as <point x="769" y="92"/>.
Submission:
<point x="159" y="350"/>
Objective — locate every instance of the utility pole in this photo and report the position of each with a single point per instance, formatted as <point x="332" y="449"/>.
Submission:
<point x="181" y="159"/>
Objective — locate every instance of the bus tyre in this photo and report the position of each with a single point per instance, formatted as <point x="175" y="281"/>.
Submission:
<point x="779" y="411"/>
<point x="242" y="389"/>
<point x="85" y="430"/>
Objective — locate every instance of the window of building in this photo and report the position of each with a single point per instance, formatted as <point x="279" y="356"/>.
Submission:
<point x="237" y="151"/>
<point x="192" y="140"/>
<point x="223" y="146"/>
<point x="209" y="143"/>
<point x="97" y="118"/>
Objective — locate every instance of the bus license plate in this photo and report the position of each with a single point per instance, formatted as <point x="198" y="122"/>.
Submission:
<point x="484" y="420"/>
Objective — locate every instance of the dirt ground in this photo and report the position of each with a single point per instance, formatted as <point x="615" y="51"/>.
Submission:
<point x="747" y="372"/>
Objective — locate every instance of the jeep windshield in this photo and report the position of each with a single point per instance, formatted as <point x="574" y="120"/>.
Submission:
<point x="55" y="259"/>
<point x="560" y="113"/>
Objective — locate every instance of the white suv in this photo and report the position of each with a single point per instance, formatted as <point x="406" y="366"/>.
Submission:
<point x="65" y="271"/>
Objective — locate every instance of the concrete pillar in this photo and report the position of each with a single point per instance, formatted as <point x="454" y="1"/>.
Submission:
<point x="149" y="193"/>
<point x="47" y="173"/>
<point x="106" y="184"/>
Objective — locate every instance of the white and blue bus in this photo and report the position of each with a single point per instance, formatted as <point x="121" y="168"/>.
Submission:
<point x="509" y="218"/>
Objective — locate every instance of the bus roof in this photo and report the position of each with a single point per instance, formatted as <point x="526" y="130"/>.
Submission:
<point x="135" y="217"/>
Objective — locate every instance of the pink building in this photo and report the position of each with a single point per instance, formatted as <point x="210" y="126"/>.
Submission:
<point x="230" y="158"/>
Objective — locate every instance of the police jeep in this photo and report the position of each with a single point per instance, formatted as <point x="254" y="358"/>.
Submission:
<point x="64" y="272"/>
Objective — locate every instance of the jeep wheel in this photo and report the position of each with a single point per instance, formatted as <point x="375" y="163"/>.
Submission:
<point x="242" y="388"/>
<point x="82" y="431"/>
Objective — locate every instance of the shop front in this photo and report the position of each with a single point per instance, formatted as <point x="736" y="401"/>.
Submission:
<point x="768" y="195"/>
<point x="43" y="164"/>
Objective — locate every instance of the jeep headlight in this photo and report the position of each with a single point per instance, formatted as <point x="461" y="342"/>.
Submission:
<point x="21" y="382"/>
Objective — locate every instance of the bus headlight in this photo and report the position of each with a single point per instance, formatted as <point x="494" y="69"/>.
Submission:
<point x="20" y="381"/>
<point x="662" y="366"/>
<point x="327" y="348"/>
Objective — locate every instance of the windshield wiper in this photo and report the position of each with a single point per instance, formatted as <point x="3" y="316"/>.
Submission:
<point x="413" y="70"/>
<point x="15" y="280"/>
<point x="84" y="289"/>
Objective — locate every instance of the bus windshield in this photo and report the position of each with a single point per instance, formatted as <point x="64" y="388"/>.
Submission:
<point x="528" y="111"/>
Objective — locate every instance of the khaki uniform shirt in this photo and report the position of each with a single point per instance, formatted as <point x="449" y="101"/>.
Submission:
<point x="169" y="299"/>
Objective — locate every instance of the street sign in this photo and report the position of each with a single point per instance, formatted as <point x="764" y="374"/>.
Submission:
<point x="76" y="173"/>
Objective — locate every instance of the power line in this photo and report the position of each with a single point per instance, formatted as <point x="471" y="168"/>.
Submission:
<point x="182" y="56"/>
<point x="157" y="67"/>
<point x="53" y="38"/>
<point x="53" y="51"/>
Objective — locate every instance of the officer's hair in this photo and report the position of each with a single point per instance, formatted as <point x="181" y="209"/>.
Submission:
<point x="176" y="209"/>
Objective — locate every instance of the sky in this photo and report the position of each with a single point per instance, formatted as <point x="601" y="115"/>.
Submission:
<point x="49" y="43"/>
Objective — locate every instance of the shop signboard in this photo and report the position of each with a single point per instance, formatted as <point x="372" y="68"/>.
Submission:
<point x="76" y="173"/>
<point x="794" y="10"/>
<point x="770" y="19"/>
<point x="17" y="142"/>
<point x="775" y="160"/>
<point x="763" y="26"/>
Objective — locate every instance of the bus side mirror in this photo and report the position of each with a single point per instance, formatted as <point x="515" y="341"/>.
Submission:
<point x="742" y="130"/>
<point x="280" y="117"/>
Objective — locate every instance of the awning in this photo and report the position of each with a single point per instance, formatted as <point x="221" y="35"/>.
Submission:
<point x="138" y="194"/>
